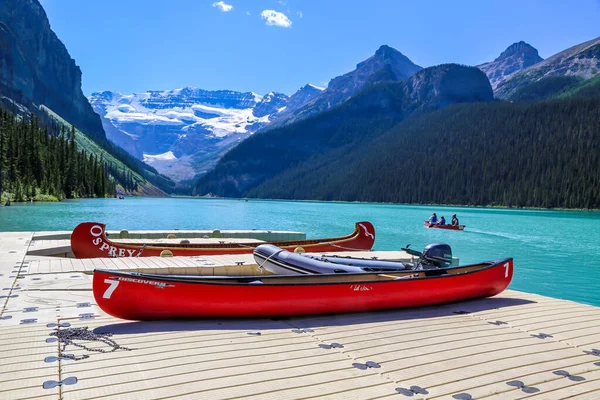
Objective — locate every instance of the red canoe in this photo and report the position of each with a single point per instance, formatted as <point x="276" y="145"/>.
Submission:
<point x="136" y="296"/>
<point x="88" y="240"/>
<point x="451" y="227"/>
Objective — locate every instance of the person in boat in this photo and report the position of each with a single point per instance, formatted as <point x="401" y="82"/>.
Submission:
<point x="454" y="220"/>
<point x="442" y="221"/>
<point x="433" y="219"/>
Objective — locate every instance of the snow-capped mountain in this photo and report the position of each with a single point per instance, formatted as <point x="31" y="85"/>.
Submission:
<point x="184" y="132"/>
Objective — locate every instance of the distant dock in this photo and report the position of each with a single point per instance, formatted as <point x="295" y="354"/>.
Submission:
<point x="515" y="345"/>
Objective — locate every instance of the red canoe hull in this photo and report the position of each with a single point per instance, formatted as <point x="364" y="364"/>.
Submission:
<point x="89" y="240"/>
<point x="450" y="227"/>
<point x="149" y="297"/>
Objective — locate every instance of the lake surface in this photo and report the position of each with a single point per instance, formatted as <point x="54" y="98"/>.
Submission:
<point x="557" y="253"/>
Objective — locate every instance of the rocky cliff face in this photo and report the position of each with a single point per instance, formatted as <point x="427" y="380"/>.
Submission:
<point x="386" y="64"/>
<point x="582" y="60"/>
<point x="36" y="68"/>
<point x="515" y="58"/>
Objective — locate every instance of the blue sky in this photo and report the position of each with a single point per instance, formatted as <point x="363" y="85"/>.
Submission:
<point x="270" y="45"/>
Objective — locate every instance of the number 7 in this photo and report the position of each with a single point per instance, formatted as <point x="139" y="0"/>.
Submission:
<point x="113" y="285"/>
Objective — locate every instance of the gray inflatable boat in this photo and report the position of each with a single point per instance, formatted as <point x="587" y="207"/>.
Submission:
<point x="283" y="262"/>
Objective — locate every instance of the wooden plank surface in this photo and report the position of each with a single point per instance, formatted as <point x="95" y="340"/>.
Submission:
<point x="473" y="347"/>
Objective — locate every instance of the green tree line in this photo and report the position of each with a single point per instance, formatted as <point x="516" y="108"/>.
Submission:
<point x="37" y="162"/>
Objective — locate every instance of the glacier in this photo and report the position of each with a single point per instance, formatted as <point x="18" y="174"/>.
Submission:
<point x="184" y="132"/>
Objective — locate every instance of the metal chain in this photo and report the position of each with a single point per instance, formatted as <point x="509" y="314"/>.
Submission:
<point x="67" y="336"/>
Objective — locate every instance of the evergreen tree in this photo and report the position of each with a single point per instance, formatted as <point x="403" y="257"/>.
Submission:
<point x="43" y="161"/>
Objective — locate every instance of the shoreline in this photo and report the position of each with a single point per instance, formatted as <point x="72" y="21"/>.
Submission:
<point x="395" y="204"/>
<point x="53" y="199"/>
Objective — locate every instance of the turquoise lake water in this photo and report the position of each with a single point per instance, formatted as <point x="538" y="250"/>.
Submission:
<point x="557" y="253"/>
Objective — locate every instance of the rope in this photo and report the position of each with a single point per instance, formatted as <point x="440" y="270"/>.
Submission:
<point x="260" y="266"/>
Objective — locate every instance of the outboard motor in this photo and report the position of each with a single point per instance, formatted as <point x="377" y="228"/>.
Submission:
<point x="435" y="255"/>
<point x="438" y="254"/>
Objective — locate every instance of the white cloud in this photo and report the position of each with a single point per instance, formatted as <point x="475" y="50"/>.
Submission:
<point x="248" y="13"/>
<point x="221" y="5"/>
<point x="300" y="14"/>
<point x="275" y="18"/>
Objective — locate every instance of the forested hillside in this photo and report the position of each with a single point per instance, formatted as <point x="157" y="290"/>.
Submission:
<point x="544" y="154"/>
<point x="45" y="163"/>
<point x="558" y="87"/>
<point x="132" y="176"/>
<point x="361" y="119"/>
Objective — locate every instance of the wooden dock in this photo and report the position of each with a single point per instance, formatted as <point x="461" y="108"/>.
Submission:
<point x="512" y="346"/>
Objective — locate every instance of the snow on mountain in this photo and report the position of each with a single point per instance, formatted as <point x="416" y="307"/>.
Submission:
<point x="316" y="87"/>
<point x="183" y="132"/>
<point x="160" y="157"/>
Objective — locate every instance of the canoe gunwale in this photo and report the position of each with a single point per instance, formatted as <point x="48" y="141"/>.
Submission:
<point x="176" y="246"/>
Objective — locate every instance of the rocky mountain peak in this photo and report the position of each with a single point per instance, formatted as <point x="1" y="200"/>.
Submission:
<point x="385" y="51"/>
<point x="517" y="57"/>
<point x="387" y="64"/>
<point x="581" y="60"/>
<point x="521" y="49"/>
<point x="386" y="55"/>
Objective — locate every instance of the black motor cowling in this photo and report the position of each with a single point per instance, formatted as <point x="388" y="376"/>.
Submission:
<point x="438" y="254"/>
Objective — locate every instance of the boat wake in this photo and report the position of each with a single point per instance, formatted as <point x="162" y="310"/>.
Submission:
<point x="505" y="235"/>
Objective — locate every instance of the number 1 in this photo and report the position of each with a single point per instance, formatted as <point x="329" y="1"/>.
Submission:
<point x="506" y="268"/>
<point x="113" y="285"/>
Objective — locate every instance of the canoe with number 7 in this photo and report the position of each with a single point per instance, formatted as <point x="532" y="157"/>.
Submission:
<point x="140" y="296"/>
